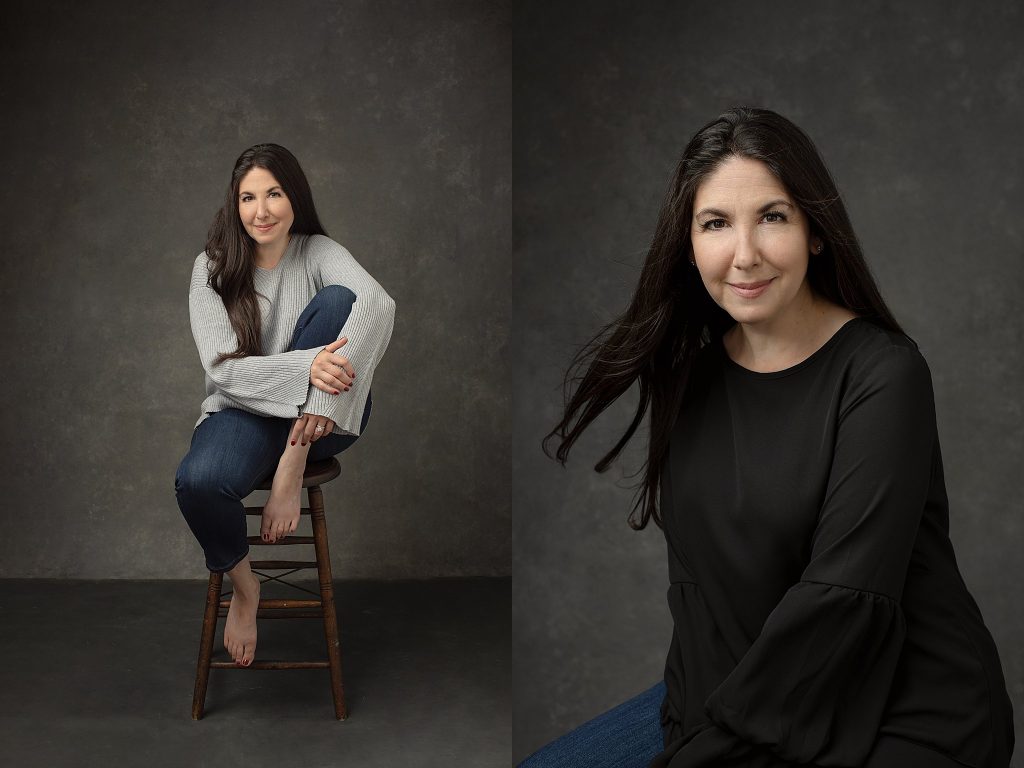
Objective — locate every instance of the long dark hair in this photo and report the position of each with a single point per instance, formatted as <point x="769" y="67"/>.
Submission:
<point x="232" y="251"/>
<point x="671" y="315"/>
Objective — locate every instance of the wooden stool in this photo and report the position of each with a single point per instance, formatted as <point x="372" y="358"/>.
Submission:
<point x="316" y="473"/>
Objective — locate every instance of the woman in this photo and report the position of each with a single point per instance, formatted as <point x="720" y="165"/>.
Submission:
<point x="819" y="614"/>
<point x="271" y="302"/>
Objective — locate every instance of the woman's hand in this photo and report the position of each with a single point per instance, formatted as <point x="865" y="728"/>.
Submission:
<point x="305" y="428"/>
<point x="331" y="372"/>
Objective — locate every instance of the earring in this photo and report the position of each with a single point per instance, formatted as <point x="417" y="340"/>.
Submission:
<point x="817" y="248"/>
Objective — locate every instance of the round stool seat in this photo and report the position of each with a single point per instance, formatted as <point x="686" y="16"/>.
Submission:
<point x="316" y="473"/>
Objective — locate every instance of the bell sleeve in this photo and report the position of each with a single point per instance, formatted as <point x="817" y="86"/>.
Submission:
<point x="368" y="328"/>
<point x="812" y="687"/>
<point x="262" y="383"/>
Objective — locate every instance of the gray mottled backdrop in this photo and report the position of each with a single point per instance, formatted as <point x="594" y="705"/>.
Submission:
<point x="122" y="120"/>
<point x="121" y="124"/>
<point x="918" y="110"/>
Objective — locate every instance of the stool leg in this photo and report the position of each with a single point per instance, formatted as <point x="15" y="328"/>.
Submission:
<point x="206" y="643"/>
<point x="323" y="568"/>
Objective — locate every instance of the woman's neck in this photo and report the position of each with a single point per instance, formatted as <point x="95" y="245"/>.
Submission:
<point x="788" y="340"/>
<point x="267" y="256"/>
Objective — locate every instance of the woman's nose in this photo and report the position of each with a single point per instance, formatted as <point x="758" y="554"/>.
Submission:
<point x="746" y="254"/>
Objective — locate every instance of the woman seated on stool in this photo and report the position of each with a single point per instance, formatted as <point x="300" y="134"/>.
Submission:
<point x="272" y="302"/>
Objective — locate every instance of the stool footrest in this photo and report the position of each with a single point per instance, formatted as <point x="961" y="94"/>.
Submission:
<point x="285" y="540"/>
<point x="259" y="510"/>
<point x="272" y="665"/>
<point x="277" y="602"/>
<point x="282" y="564"/>
<point x="286" y="613"/>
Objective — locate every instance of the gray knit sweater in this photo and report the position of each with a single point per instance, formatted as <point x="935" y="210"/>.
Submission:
<point x="276" y="383"/>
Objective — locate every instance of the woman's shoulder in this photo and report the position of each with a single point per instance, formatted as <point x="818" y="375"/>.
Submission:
<point x="201" y="267"/>
<point x="877" y="356"/>
<point x="321" y="246"/>
<point x="873" y="341"/>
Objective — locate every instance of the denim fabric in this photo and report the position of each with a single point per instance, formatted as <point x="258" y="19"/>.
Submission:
<point x="628" y="736"/>
<point x="233" y="450"/>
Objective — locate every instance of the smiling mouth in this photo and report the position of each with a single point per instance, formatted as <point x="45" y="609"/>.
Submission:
<point x="264" y="226"/>
<point x="750" y="290"/>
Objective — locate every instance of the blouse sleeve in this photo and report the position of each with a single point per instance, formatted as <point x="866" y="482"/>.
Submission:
<point x="281" y="378"/>
<point x="368" y="329"/>
<point x="812" y="687"/>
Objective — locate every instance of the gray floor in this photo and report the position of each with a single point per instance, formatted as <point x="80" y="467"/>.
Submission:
<point x="100" y="673"/>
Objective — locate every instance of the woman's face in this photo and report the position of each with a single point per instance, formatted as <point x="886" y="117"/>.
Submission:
<point x="751" y="243"/>
<point x="263" y="208"/>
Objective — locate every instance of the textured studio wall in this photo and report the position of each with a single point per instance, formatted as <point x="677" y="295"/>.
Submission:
<point x="498" y="168"/>
<point x="122" y="122"/>
<point x="918" y="109"/>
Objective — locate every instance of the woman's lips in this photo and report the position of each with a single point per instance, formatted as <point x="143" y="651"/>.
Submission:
<point x="750" y="290"/>
<point x="264" y="227"/>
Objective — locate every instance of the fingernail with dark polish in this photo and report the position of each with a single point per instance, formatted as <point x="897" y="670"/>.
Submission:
<point x="293" y="442"/>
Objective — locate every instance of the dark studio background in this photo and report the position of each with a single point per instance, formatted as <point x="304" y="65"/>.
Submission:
<point x="917" y="109"/>
<point x="498" y="168"/>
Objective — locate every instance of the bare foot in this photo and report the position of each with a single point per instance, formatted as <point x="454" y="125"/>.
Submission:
<point x="240" y="626"/>
<point x="281" y="513"/>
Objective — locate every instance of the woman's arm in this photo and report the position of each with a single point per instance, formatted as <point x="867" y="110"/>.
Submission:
<point x="281" y="378"/>
<point x="368" y="328"/>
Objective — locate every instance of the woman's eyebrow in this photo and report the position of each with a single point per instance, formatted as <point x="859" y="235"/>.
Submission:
<point x="774" y="204"/>
<point x="247" y="192"/>
<point x="767" y="206"/>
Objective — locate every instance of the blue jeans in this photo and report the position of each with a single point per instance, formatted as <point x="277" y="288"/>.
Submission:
<point x="233" y="451"/>
<point x="628" y="736"/>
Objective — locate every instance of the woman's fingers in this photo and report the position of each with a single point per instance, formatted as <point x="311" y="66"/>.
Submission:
<point x="337" y="344"/>
<point x="330" y="384"/>
<point x="345" y="364"/>
<point x="311" y="428"/>
<point x="304" y="428"/>
<point x="297" y="426"/>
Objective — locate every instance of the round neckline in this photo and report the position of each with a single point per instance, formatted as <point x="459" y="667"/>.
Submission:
<point x="287" y="251"/>
<point x="831" y="342"/>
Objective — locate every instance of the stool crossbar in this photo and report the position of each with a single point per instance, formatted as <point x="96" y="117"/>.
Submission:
<point x="217" y="603"/>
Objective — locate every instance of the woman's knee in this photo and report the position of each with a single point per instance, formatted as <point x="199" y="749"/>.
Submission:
<point x="336" y="299"/>
<point x="193" y="478"/>
<point x="199" y="478"/>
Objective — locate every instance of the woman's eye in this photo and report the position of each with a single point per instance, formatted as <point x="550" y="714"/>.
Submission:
<point x="779" y="217"/>
<point x="275" y="194"/>
<point x="713" y="224"/>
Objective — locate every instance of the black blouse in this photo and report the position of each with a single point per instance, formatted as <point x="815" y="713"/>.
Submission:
<point x="815" y="595"/>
